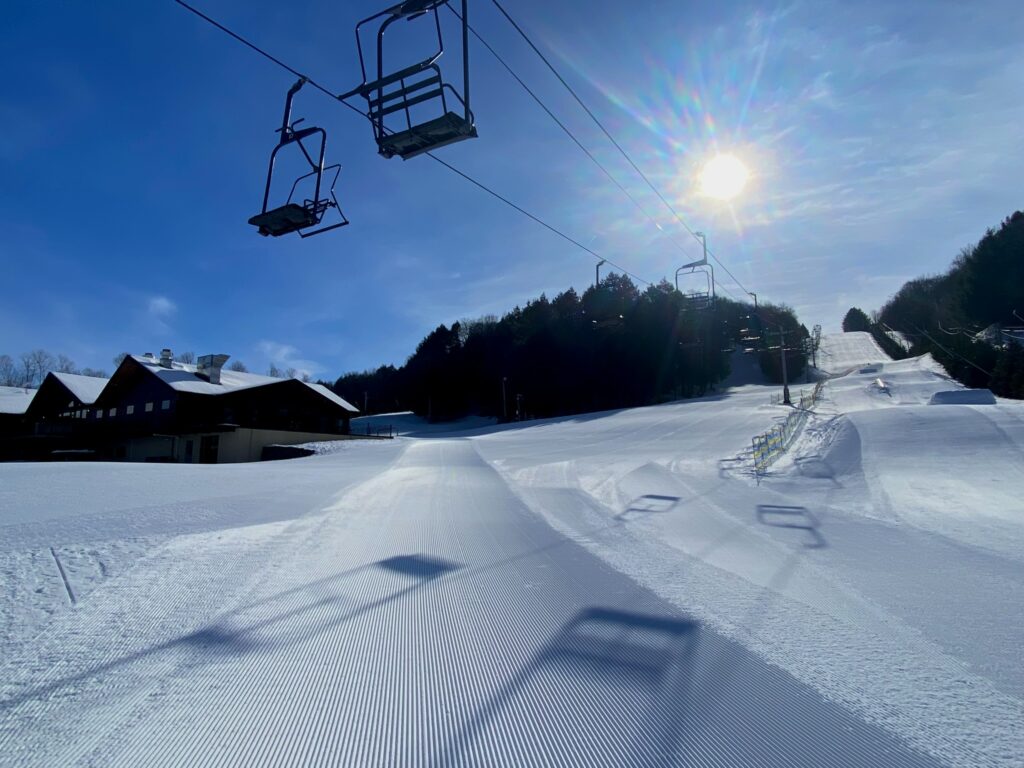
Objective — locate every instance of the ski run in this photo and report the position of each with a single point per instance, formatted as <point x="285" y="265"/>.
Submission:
<point x="610" y="589"/>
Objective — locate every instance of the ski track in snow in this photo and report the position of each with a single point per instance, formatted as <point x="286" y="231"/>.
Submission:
<point x="584" y="591"/>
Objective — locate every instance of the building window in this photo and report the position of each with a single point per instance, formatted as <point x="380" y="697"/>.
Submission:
<point x="129" y="410"/>
<point x="149" y="407"/>
<point x="113" y="412"/>
<point x="165" y="405"/>
<point x="99" y="414"/>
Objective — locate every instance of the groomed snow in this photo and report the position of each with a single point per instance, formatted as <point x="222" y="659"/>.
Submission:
<point x="841" y="352"/>
<point x="604" y="589"/>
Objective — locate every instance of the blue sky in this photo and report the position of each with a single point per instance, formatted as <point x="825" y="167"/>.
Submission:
<point x="882" y="137"/>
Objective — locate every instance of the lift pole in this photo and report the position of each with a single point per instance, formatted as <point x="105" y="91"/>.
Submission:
<point x="785" y="374"/>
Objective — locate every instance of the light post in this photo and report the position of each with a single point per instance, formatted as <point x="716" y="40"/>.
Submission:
<point x="504" y="397"/>
<point x="597" y="273"/>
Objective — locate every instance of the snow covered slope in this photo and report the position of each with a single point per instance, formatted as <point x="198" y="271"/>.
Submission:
<point x="840" y="352"/>
<point x="606" y="589"/>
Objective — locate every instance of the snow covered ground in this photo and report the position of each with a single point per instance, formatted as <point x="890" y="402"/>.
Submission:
<point x="606" y="589"/>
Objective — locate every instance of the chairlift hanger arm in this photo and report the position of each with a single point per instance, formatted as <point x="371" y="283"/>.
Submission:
<point x="394" y="14"/>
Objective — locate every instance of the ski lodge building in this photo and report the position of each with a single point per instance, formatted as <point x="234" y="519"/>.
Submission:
<point x="156" y="409"/>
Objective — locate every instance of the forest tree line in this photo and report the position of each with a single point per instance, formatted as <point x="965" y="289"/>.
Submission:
<point x="959" y="316"/>
<point x="614" y="346"/>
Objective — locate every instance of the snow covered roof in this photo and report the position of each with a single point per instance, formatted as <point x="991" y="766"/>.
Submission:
<point x="85" y="388"/>
<point x="184" y="377"/>
<point x="322" y="390"/>
<point x="15" y="399"/>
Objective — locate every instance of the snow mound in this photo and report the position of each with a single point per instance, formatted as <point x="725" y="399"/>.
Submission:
<point x="838" y="450"/>
<point x="963" y="397"/>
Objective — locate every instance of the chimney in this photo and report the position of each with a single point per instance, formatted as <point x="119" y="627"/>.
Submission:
<point x="210" y="366"/>
<point x="166" y="359"/>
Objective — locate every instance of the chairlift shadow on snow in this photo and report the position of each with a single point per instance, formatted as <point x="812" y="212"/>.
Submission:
<point x="739" y="463"/>
<point x="249" y="628"/>
<point x="795" y="518"/>
<point x="631" y="670"/>
<point x="649" y="503"/>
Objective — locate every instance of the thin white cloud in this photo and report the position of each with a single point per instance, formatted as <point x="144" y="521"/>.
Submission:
<point x="161" y="307"/>
<point x="286" y="356"/>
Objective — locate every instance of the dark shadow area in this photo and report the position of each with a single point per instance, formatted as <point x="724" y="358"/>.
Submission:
<point x="629" y="673"/>
<point x="796" y="518"/>
<point x="649" y="503"/>
<point x="572" y="418"/>
<point x="218" y="641"/>
<point x="614" y="642"/>
<point x="233" y="635"/>
<point x="420" y="566"/>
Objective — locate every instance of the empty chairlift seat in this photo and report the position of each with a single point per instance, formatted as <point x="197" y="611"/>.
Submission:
<point x="305" y="217"/>
<point x="397" y="101"/>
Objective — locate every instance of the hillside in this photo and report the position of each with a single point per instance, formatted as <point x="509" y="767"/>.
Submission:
<point x="467" y="597"/>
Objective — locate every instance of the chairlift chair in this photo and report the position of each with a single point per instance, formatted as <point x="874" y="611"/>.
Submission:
<point x="699" y="301"/>
<point x="420" y="83"/>
<point x="295" y="216"/>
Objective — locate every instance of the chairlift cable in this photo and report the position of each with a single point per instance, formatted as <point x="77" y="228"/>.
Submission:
<point x="256" y="48"/>
<point x="568" y="132"/>
<point x="618" y="146"/>
<point x="954" y="354"/>
<point x="434" y="157"/>
<point x="540" y="221"/>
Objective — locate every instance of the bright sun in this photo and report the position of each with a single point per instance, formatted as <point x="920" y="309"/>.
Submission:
<point x="723" y="177"/>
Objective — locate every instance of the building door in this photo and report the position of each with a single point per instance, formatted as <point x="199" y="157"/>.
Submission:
<point x="188" y="451"/>
<point x="208" y="446"/>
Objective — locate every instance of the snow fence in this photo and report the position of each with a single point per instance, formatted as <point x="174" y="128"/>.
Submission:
<point x="769" y="446"/>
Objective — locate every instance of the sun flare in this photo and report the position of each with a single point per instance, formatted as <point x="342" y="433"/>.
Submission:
<point x="723" y="177"/>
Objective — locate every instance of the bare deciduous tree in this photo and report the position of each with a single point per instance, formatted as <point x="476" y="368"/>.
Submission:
<point x="186" y="357"/>
<point x="238" y="366"/>
<point x="10" y="376"/>
<point x="65" y="364"/>
<point x="119" y="358"/>
<point x="96" y="372"/>
<point x="35" y="365"/>
<point x="274" y="371"/>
